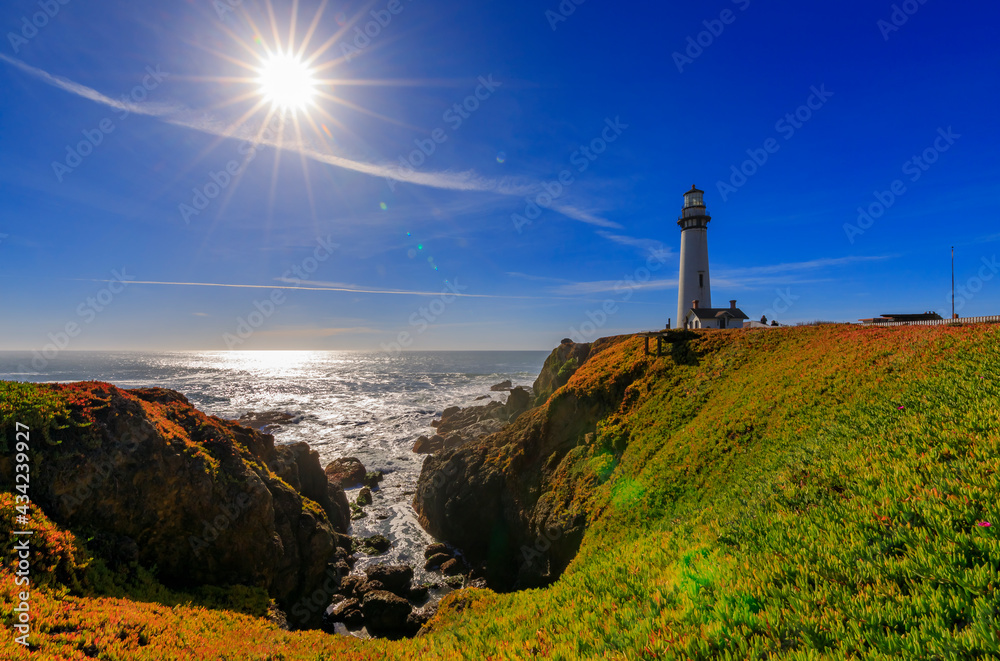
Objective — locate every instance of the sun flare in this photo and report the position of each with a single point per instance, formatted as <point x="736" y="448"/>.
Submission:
<point x="287" y="82"/>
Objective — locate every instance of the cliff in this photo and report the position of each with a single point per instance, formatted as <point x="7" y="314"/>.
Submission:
<point x="151" y="479"/>
<point x="495" y="498"/>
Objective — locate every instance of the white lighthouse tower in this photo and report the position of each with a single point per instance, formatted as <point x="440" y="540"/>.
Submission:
<point x="694" y="284"/>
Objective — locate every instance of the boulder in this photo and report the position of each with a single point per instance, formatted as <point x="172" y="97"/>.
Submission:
<point x="364" y="497"/>
<point x="373" y="478"/>
<point x="503" y="385"/>
<point x="352" y="586"/>
<point x="348" y="472"/>
<point x="374" y="545"/>
<point x="347" y="610"/>
<point x="395" y="578"/>
<point x="344" y="543"/>
<point x="451" y="567"/>
<point x="436" y="560"/>
<point x="370" y="586"/>
<point x="418" y="593"/>
<point x="385" y="613"/>
<point x="434" y="549"/>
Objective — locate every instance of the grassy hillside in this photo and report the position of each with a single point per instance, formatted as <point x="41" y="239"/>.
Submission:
<point x="798" y="493"/>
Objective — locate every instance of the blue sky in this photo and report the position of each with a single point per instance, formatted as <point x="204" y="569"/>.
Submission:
<point x="602" y="114"/>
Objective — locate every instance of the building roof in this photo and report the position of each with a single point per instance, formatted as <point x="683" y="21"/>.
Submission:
<point x="925" y="316"/>
<point x="715" y="313"/>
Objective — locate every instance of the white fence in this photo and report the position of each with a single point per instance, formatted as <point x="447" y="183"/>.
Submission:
<point x="939" y="322"/>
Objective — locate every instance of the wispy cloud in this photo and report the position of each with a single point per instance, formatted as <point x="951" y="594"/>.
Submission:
<point x="741" y="278"/>
<point x="535" y="278"/>
<point x="602" y="286"/>
<point x="644" y="245"/>
<point x="764" y="282"/>
<point x="582" y="216"/>
<point x="150" y="109"/>
<point x="468" y="180"/>
<point x="320" y="286"/>
<point x="811" y="265"/>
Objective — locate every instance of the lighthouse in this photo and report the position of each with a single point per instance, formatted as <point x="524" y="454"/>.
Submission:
<point x="694" y="284"/>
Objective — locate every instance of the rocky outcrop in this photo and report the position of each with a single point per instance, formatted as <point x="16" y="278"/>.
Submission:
<point x="395" y="578"/>
<point x="385" y="613"/>
<point x="559" y="367"/>
<point x="383" y="601"/>
<point x="494" y="497"/>
<point x="300" y="467"/>
<point x="457" y="426"/>
<point x="267" y="421"/>
<point x="348" y="472"/>
<point x="204" y="500"/>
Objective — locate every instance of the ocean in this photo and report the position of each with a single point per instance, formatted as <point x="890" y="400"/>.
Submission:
<point x="346" y="404"/>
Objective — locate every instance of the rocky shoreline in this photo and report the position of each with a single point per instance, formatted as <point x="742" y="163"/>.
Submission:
<point x="205" y="501"/>
<point x="383" y="600"/>
<point x="506" y="498"/>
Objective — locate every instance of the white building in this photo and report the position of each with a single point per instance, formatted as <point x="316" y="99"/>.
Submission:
<point x="699" y="317"/>
<point x="694" y="289"/>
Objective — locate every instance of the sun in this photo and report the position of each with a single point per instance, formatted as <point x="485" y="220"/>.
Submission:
<point x="287" y="82"/>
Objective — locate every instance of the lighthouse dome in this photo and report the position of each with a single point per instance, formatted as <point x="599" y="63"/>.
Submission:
<point x="694" y="198"/>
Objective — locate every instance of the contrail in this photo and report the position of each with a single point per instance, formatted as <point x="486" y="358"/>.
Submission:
<point x="396" y="292"/>
<point x="186" y="118"/>
<point x="150" y="109"/>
